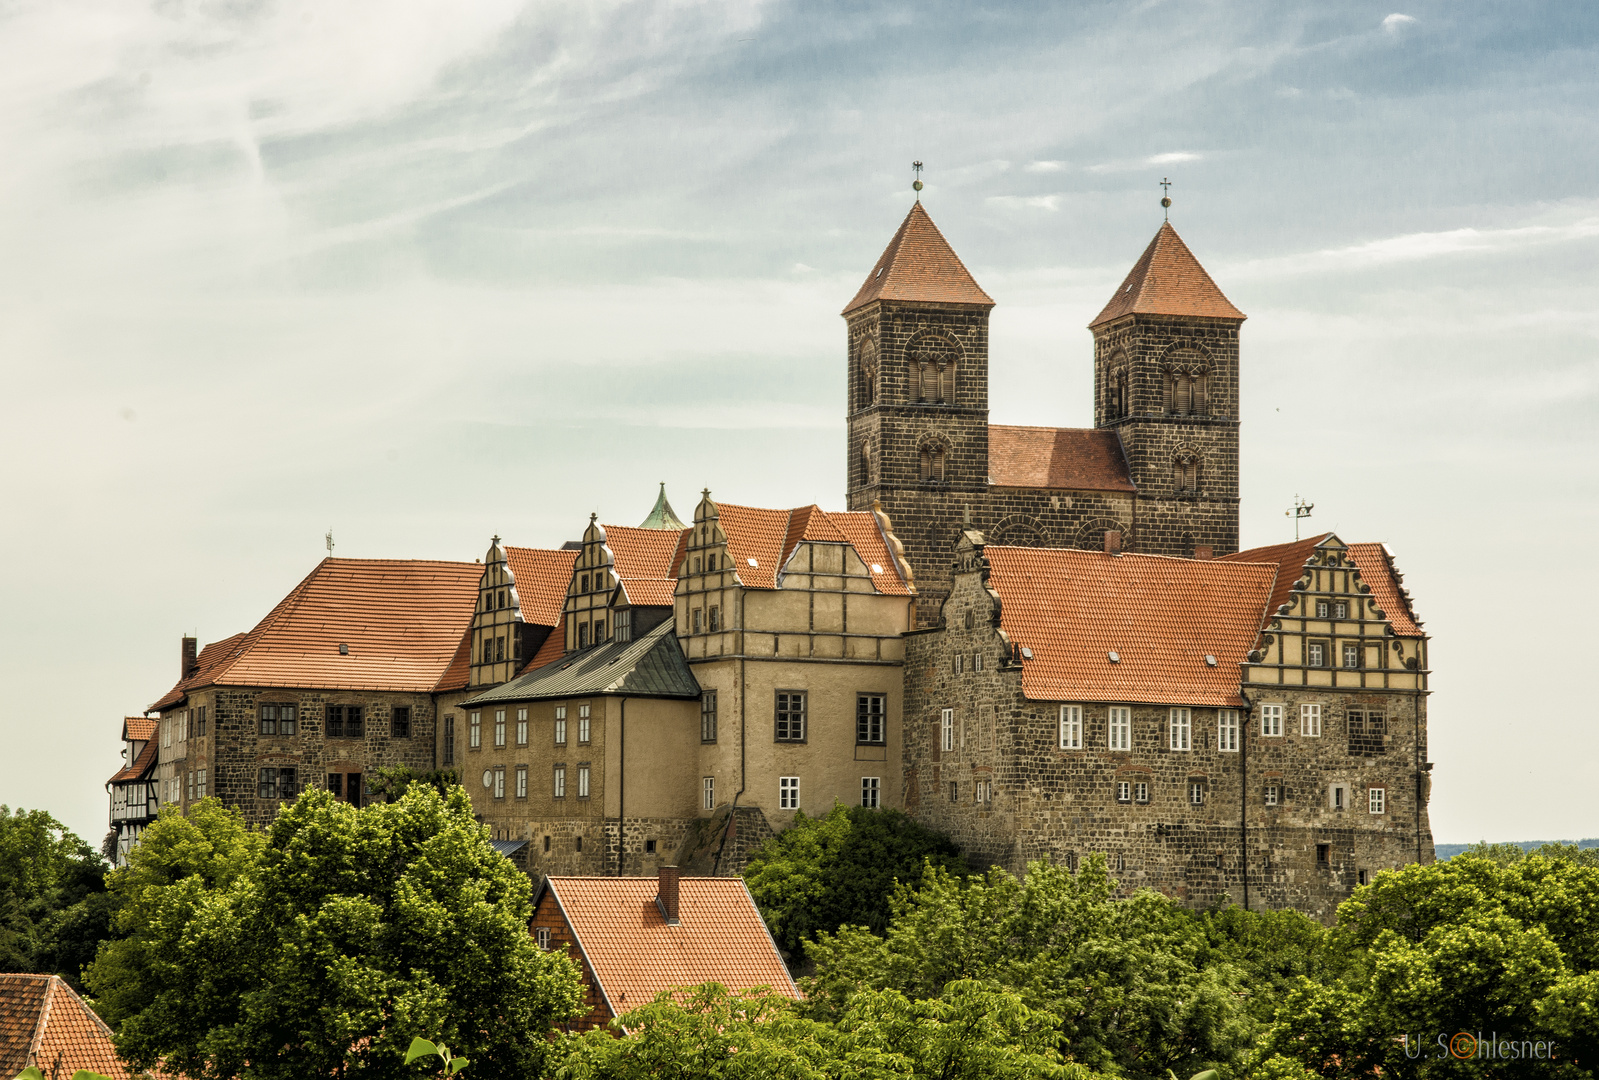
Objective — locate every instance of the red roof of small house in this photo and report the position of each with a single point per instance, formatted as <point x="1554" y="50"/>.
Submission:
<point x="138" y="728"/>
<point x="919" y="264"/>
<point x="1160" y="616"/>
<point x="1071" y="459"/>
<point x="44" y="1023"/>
<point x="634" y="954"/>
<point x="761" y="541"/>
<point x="1168" y="280"/>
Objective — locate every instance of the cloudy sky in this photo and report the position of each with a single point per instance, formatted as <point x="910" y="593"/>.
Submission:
<point x="426" y="271"/>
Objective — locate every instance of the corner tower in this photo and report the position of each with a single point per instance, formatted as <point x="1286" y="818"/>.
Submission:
<point x="918" y="385"/>
<point x="1166" y="380"/>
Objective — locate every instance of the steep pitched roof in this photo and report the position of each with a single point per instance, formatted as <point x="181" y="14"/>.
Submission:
<point x="645" y="562"/>
<point x="40" y="1018"/>
<point x="459" y="671"/>
<point x="1168" y="280"/>
<point x="401" y="618"/>
<point x="661" y="515"/>
<point x="213" y="658"/>
<point x="554" y="648"/>
<point x="919" y="264"/>
<point x="1161" y="616"/>
<point x="140" y="766"/>
<point x="1376" y="568"/>
<point x="138" y="728"/>
<point x="541" y="578"/>
<point x="760" y="542"/>
<point x="1074" y="459"/>
<point x="634" y="954"/>
<point x="1290" y="559"/>
<point x="648" y="666"/>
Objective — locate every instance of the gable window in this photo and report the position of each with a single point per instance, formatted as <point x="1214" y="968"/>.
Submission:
<point x="560" y="725"/>
<point x="1071" y="727"/>
<point x="788" y="793"/>
<point x="1323" y="609"/>
<point x="708" y="717"/>
<point x="583" y="635"/>
<point x="400" y="722"/>
<point x="870" y="726"/>
<point x="583" y="723"/>
<point x="499" y="649"/>
<point x="584" y="583"/>
<point x="1310" y="720"/>
<point x="499" y="728"/>
<point x="1227" y="730"/>
<point x="1271" y="720"/>
<point x="1341" y="610"/>
<point x="622" y="624"/>
<point x="871" y="792"/>
<point x="449" y="739"/>
<point x="599" y="631"/>
<point x="946" y="729"/>
<point x="1377" y="800"/>
<point x="277" y="719"/>
<point x="521" y="781"/>
<point x="1124" y="791"/>
<point x="790" y="720"/>
<point x="1119" y="732"/>
<point x="713" y="618"/>
<point x="1182" y="729"/>
<point x="1351" y="654"/>
<point x="695" y="620"/>
<point x="708" y="793"/>
<point x="543" y="933"/>
<point x="521" y="727"/>
<point x="474" y="729"/>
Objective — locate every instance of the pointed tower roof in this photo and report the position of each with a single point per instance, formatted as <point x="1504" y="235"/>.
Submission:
<point x="1168" y="280"/>
<point x="662" y="517"/>
<point x="919" y="264"/>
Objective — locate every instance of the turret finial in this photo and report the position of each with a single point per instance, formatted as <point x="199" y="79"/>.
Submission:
<point x="1165" y="198"/>
<point x="916" y="185"/>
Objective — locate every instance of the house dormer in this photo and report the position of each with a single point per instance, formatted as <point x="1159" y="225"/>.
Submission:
<point x="622" y="582"/>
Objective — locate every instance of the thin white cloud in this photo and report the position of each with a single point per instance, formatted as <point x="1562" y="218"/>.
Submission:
<point x="1416" y="247"/>
<point x="1175" y="158"/>
<point x="1172" y="157"/>
<point x="1396" y="22"/>
<point x="1046" y="166"/>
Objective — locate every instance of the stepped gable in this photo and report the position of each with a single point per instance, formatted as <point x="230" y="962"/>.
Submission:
<point x="44" y="1023"/>
<point x="1168" y="280"/>
<point x="1376" y="566"/>
<point x="919" y="265"/>
<point x="1072" y="459"/>
<point x="1161" y="616"/>
<point x="645" y="561"/>
<point x="760" y="542"/>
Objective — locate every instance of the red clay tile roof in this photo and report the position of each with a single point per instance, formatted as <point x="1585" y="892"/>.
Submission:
<point x="138" y="728"/>
<point x="771" y="536"/>
<point x="1160" y="615"/>
<point x="459" y="671"/>
<point x="1290" y="560"/>
<point x="1376" y="568"/>
<point x="1168" y="280"/>
<point x="919" y="264"/>
<point x="645" y="562"/>
<point x="542" y="577"/>
<point x="213" y="658"/>
<point x="554" y="648"/>
<point x="634" y="954"/>
<point x="140" y="765"/>
<point x="1073" y="459"/>
<point x="41" y="1017"/>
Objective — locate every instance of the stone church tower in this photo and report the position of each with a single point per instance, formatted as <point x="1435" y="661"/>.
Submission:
<point x="1158" y="473"/>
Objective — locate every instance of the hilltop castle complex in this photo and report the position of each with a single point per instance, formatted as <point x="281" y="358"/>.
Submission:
<point x="1044" y="641"/>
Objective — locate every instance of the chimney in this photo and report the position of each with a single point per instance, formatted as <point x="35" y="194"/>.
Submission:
<point x="666" y="894"/>
<point x="190" y="657"/>
<point x="1204" y="551"/>
<point x="1113" y="541"/>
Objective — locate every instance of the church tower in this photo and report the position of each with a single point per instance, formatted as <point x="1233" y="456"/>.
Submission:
<point x="1166" y="381"/>
<point x="918" y="387"/>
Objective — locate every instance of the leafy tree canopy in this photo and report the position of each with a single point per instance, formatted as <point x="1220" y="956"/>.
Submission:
<point x="53" y="908"/>
<point x="321" y="947"/>
<point x="841" y="869"/>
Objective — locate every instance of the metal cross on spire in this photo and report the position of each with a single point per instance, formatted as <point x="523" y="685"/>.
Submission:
<point x="1165" y="197"/>
<point x="916" y="185"/>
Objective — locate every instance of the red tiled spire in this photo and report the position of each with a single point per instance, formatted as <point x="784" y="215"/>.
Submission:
<point x="1168" y="280"/>
<point x="919" y="264"/>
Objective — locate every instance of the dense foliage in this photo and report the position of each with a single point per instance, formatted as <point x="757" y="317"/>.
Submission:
<point x="841" y="869"/>
<point x="322" y="946"/>
<point x="54" y="909"/>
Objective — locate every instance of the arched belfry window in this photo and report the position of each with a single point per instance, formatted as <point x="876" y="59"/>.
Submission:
<point x="866" y="463"/>
<point x="1118" y="394"/>
<point x="1185" y="474"/>
<point x="1186" y="391"/>
<point x="868" y="375"/>
<point x="933" y="459"/>
<point x="933" y="373"/>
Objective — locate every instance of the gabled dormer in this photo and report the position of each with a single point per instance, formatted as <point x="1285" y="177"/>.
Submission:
<point x="519" y="605"/>
<point x="624" y="577"/>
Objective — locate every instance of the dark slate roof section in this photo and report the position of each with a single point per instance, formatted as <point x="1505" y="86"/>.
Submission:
<point x="650" y="666"/>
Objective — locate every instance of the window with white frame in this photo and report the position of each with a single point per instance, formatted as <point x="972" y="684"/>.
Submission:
<point x="870" y="719"/>
<point x="200" y="783"/>
<point x="582" y="723"/>
<point x="559" y="790"/>
<point x="543" y="936"/>
<point x="521" y="781"/>
<point x="1273" y="794"/>
<point x="474" y="735"/>
<point x="582" y="781"/>
<point x="1377" y="800"/>
<point x="1124" y="791"/>
<point x="499" y="781"/>
<point x="977" y="661"/>
<point x="871" y="791"/>
<point x="1119" y="732"/>
<point x="1196" y="792"/>
<point x="521" y="727"/>
<point x="788" y="794"/>
<point x="708" y="792"/>
<point x="1140" y="791"/>
<point x="1271" y="720"/>
<point x="983" y="792"/>
<point x="1341" y="609"/>
<point x="946" y="729"/>
<point x="499" y="728"/>
<point x="1351" y="654"/>
<point x="1227" y="730"/>
<point x="1338" y="796"/>
<point x="1316" y="654"/>
<point x="1310" y="720"/>
<point x="1182" y="729"/>
<point x="560" y="725"/>
<point x="1071" y="727"/>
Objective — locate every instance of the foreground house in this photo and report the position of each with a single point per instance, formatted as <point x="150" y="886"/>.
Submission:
<point x="634" y="937"/>
<point x="45" y="1024"/>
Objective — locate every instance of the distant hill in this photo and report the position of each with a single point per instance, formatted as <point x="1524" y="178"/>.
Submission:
<point x="1449" y="851"/>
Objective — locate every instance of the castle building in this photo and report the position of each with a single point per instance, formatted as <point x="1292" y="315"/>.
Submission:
<point x="1160" y="466"/>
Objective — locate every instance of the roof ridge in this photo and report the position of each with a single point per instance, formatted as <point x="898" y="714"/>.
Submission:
<point x="45" y="1008"/>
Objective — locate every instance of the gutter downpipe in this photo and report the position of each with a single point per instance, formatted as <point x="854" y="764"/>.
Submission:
<point x="621" y="785"/>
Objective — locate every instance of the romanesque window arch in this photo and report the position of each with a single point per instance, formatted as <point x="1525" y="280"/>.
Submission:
<point x="934" y="461"/>
<point x="1187" y="387"/>
<point x="933" y="370"/>
<point x="868" y="386"/>
<point x="1185" y="473"/>
<point x="866" y="463"/>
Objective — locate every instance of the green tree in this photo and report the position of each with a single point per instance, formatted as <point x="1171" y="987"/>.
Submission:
<point x="841" y="869"/>
<point x="322" y="948"/>
<point x="53" y="911"/>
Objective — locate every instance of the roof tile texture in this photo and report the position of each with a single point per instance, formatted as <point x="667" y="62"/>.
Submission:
<point x="1161" y="616"/>
<point x="645" y="562"/>
<point x="1075" y="459"/>
<point x="1168" y="280"/>
<point x="41" y="1017"/>
<point x="541" y="577"/>
<point x="770" y="537"/>
<point x="212" y="659"/>
<point x="919" y="264"/>
<point x="635" y="955"/>
<point x="1290" y="560"/>
<point x="1377" y="570"/>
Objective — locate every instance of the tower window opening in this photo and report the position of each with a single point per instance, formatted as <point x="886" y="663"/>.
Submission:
<point x="1185" y="474"/>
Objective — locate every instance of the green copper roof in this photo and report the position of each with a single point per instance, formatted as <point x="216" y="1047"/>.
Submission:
<point x="662" y="517"/>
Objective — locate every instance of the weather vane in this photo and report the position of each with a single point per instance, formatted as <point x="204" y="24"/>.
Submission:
<point x="329" y="539"/>
<point x="1165" y="198"/>
<point x="1300" y="510"/>
<point x="916" y="185"/>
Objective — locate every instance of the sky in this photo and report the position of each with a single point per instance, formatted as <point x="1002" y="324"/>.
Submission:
<point x="424" y="272"/>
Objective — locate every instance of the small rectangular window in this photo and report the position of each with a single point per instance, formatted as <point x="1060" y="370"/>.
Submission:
<point x="790" y="720"/>
<point x="543" y="932"/>
<point x="560" y="782"/>
<point x="1141" y="791"/>
<point x="1271" y="720"/>
<point x="870" y="721"/>
<point x="983" y="792"/>
<point x="400" y="722"/>
<point x="977" y="661"/>
<point x="788" y="793"/>
<point x="946" y="725"/>
<point x="499" y="649"/>
<point x="336" y="784"/>
<point x="474" y="729"/>
<point x="582" y="781"/>
<point x="1323" y="854"/>
<point x="1341" y="610"/>
<point x="1351" y="654"/>
<point x="1196" y="793"/>
<point x="521" y="781"/>
<point x="267" y="784"/>
<point x="560" y="727"/>
<point x="1321" y="609"/>
<point x="713" y="618"/>
<point x="199" y="723"/>
<point x="1335" y="797"/>
<point x="1362" y="878"/>
<point x="521" y="727"/>
<point x="1071" y="727"/>
<point x="871" y="791"/>
<point x="1119" y="731"/>
<point x="1124" y="791"/>
<point x="499" y="728"/>
<point x="696" y="615"/>
<point x="269" y="720"/>
<point x="449" y="739"/>
<point x="622" y="623"/>
<point x="1227" y="730"/>
<point x="1273" y="794"/>
<point x="191" y="785"/>
<point x="708" y="793"/>
<point x="583" y="724"/>
<point x="583" y="635"/>
<point x="708" y="716"/>
<point x="1310" y="720"/>
<point x="1182" y="729"/>
<point x="1377" y="800"/>
<point x="499" y="781"/>
<point x="200" y="782"/>
<point x="1316" y="654"/>
<point x="954" y="791"/>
